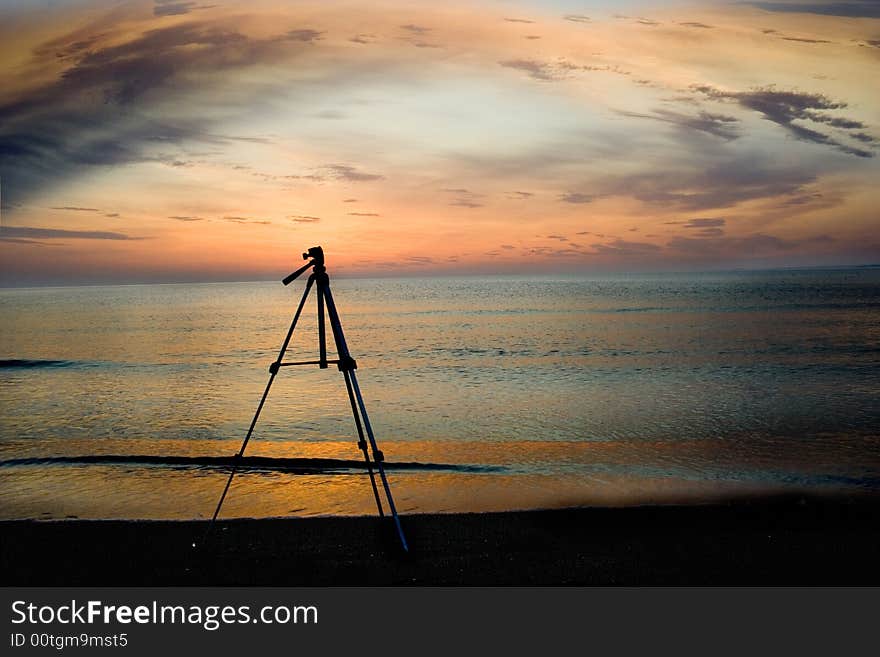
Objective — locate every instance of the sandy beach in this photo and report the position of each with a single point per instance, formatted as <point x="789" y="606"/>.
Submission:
<point x="781" y="541"/>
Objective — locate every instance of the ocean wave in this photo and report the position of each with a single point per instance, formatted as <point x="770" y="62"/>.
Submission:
<point x="29" y="363"/>
<point x="245" y="463"/>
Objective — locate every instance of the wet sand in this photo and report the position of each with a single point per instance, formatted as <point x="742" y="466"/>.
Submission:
<point x="791" y="540"/>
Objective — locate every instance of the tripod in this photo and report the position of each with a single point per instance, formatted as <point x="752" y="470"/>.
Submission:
<point x="346" y="365"/>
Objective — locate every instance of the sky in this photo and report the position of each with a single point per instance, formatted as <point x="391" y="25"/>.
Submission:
<point x="162" y="141"/>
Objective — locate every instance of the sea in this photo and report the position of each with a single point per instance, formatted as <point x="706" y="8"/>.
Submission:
<point x="485" y="394"/>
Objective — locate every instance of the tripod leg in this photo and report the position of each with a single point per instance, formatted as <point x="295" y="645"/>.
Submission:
<point x="273" y="369"/>
<point x="346" y="360"/>
<point x="362" y="443"/>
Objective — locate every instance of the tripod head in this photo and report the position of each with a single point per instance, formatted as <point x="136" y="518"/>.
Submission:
<point x="316" y="253"/>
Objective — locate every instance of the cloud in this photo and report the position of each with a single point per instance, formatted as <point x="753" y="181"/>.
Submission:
<point x="714" y="186"/>
<point x="535" y="69"/>
<point x="704" y="222"/>
<point x="520" y="195"/>
<point x="697" y="25"/>
<point x="577" y="197"/>
<point x="803" y="40"/>
<point x="350" y="200"/>
<point x="756" y="244"/>
<point x="466" y="198"/>
<point x="363" y="38"/>
<point x="351" y="174"/>
<point x="416" y="29"/>
<point x="647" y="21"/>
<point x="74" y="208"/>
<point x="58" y="233"/>
<point x="576" y="18"/>
<point x="245" y="220"/>
<point x="171" y="8"/>
<point x="518" y="20"/>
<point x="306" y="35"/>
<point x="854" y="9"/>
<point x="364" y="214"/>
<point x="561" y="238"/>
<point x="178" y="217"/>
<point x="625" y="248"/>
<point x="718" y="125"/>
<point x="96" y="111"/>
<point x="558" y="70"/>
<point x="304" y="219"/>
<point x="785" y="107"/>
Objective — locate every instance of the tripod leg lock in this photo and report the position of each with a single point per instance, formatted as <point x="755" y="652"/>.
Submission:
<point x="378" y="455"/>
<point x="362" y="445"/>
<point x="347" y="364"/>
<point x="273" y="368"/>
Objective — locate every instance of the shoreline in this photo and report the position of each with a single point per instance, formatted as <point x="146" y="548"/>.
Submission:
<point x="790" y="540"/>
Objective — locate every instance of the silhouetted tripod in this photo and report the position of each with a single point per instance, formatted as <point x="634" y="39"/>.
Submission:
<point x="346" y="365"/>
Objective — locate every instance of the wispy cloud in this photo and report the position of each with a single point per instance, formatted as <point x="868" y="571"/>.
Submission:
<point x="785" y="107"/>
<point x="577" y="197"/>
<point x="245" y="220"/>
<point x="350" y="173"/>
<point x="58" y="233"/>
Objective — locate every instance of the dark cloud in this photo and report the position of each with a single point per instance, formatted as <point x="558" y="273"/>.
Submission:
<point x="171" y="8"/>
<point x="714" y="186"/>
<point x="561" y="238"/>
<point x="416" y="29"/>
<point x="73" y="208"/>
<point x="507" y="247"/>
<point x="520" y="195"/>
<point x="96" y="111"/>
<point x="647" y="21"/>
<point x="704" y="222"/>
<point x="576" y="18"/>
<point x="577" y="197"/>
<point x="466" y="203"/>
<point x="179" y="217"/>
<point x="785" y="107"/>
<point x="351" y="174"/>
<point x="518" y="20"/>
<point x="350" y="200"/>
<point x="58" y="233"/>
<point x="245" y="220"/>
<point x="420" y="260"/>
<point x="364" y="214"/>
<point x="863" y="9"/>
<point x="531" y="36"/>
<point x="304" y="219"/>
<point x="466" y="198"/>
<point x="425" y="44"/>
<point x="535" y="69"/>
<point x="698" y="25"/>
<point x="306" y="36"/>
<point x="718" y="125"/>
<point x="363" y="38"/>
<point x="803" y="40"/>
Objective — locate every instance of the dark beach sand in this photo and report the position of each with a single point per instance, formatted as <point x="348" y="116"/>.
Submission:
<point x="792" y="540"/>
